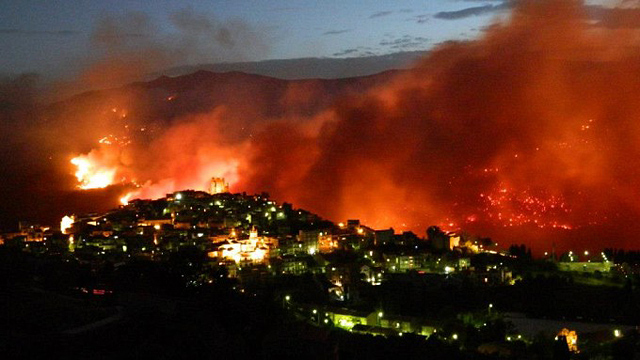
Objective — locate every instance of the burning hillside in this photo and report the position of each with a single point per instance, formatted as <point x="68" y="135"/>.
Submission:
<point x="528" y="131"/>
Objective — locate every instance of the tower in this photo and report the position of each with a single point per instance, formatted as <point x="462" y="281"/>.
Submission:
<point x="218" y="186"/>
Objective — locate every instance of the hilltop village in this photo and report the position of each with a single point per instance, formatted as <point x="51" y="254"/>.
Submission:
<point x="454" y="288"/>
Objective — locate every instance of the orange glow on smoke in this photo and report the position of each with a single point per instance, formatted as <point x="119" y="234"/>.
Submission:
<point x="512" y="135"/>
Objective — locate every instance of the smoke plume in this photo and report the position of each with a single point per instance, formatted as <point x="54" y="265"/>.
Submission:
<point x="528" y="134"/>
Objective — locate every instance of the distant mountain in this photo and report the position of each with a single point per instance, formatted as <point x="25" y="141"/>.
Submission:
<point x="245" y="95"/>
<point x="309" y="68"/>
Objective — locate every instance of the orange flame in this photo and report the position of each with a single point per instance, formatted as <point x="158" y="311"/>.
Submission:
<point x="91" y="176"/>
<point x="125" y="199"/>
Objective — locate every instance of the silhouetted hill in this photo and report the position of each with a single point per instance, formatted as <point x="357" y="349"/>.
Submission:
<point x="310" y="68"/>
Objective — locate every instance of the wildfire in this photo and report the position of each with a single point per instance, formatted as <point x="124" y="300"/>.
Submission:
<point x="66" y="223"/>
<point x="90" y="176"/>
<point x="511" y="207"/>
<point x="125" y="199"/>
<point x="571" y="337"/>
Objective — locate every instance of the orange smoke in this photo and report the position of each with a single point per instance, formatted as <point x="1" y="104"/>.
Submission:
<point x="529" y="133"/>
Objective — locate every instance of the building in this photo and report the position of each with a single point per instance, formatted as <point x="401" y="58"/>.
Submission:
<point x="441" y="240"/>
<point x="218" y="186"/>
<point x="348" y="318"/>
<point x="327" y="243"/>
<point x="310" y="240"/>
<point x="256" y="249"/>
<point x="384" y="237"/>
<point x="585" y="267"/>
<point x="293" y="265"/>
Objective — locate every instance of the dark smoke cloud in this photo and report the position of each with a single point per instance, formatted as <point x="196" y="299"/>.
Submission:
<point x="129" y="46"/>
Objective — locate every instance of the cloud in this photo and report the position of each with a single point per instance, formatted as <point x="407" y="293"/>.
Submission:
<point x="289" y="8"/>
<point x="39" y="32"/>
<point x="473" y="11"/>
<point x="421" y="19"/>
<point x="336" y="32"/>
<point x="346" y="52"/>
<point x="406" y="42"/>
<point x="360" y="51"/>
<point x="380" y="14"/>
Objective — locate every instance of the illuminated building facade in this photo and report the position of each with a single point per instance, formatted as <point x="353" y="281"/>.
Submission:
<point x="256" y="249"/>
<point x="218" y="186"/>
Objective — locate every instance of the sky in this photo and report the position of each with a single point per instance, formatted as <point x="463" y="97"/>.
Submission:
<point x="59" y="38"/>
